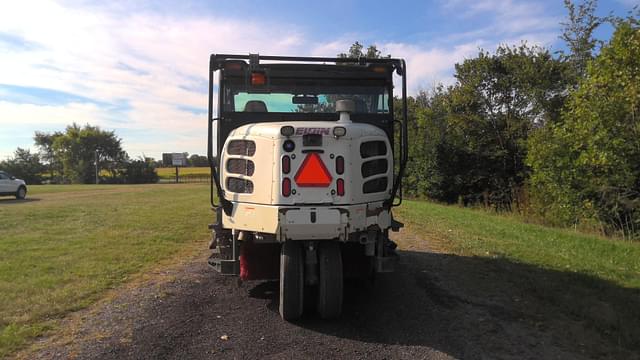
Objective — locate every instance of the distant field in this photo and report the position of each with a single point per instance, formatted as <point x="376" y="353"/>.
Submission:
<point x="476" y="232"/>
<point x="170" y="173"/>
<point x="66" y="245"/>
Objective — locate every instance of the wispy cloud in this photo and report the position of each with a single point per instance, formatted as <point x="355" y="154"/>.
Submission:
<point x="428" y="67"/>
<point x="144" y="72"/>
<point x="630" y="3"/>
<point x="504" y="19"/>
<point x="157" y="63"/>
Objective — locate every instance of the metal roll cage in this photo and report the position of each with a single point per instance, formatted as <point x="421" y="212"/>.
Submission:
<point x="216" y="61"/>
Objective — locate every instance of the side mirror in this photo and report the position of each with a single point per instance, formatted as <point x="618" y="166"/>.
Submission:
<point x="12" y="177"/>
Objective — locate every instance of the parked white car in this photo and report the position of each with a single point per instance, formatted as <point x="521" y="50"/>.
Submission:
<point x="10" y="186"/>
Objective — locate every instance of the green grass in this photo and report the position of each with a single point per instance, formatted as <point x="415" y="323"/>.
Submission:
<point x="170" y="172"/>
<point x="63" y="249"/>
<point x="479" y="233"/>
<point x="47" y="189"/>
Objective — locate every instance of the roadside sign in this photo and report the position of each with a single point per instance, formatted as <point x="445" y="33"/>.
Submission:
<point x="178" y="159"/>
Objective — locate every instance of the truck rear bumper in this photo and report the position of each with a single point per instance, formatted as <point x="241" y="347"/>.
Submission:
<point x="307" y="222"/>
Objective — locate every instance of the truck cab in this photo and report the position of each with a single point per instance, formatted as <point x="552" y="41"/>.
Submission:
<point x="307" y="162"/>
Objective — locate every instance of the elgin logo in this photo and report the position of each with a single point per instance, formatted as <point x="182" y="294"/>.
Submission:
<point x="307" y="131"/>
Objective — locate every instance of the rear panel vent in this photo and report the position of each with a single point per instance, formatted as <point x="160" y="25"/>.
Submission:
<point x="375" y="185"/>
<point x="240" y="166"/>
<point x="374" y="167"/>
<point x="240" y="186"/>
<point x="241" y="147"/>
<point x="373" y="148"/>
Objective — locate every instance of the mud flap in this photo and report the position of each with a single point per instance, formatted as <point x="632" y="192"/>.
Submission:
<point x="225" y="256"/>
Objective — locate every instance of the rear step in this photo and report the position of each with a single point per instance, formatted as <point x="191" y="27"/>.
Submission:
<point x="225" y="267"/>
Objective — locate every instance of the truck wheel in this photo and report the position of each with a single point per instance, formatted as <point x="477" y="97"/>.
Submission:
<point x="331" y="279"/>
<point x="21" y="193"/>
<point x="291" y="281"/>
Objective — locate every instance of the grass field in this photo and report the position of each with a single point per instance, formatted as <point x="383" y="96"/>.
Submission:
<point x="556" y="273"/>
<point x="477" y="232"/>
<point x="170" y="172"/>
<point x="65" y="247"/>
<point x="61" y="250"/>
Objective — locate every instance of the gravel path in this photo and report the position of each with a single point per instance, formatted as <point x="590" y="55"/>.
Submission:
<point x="435" y="306"/>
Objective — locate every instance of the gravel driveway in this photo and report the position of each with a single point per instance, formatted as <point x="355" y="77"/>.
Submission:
<point x="435" y="306"/>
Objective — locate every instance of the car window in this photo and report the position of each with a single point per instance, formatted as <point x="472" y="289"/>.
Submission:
<point x="3" y="176"/>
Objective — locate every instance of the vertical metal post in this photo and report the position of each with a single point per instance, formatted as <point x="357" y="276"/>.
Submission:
<point x="176" y="174"/>
<point x="96" y="158"/>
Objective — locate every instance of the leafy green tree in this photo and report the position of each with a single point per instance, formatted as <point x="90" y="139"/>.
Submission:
<point x="44" y="143"/>
<point x="427" y="116"/>
<point x="24" y="165"/>
<point x="78" y="147"/>
<point x="588" y="166"/>
<point x="577" y="33"/>
<point x="356" y="51"/>
<point x="497" y="100"/>
<point x="198" y="160"/>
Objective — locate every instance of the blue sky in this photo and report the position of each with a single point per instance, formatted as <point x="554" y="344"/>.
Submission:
<point x="140" y="68"/>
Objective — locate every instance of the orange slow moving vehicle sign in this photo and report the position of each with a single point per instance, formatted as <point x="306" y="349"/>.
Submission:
<point x="313" y="172"/>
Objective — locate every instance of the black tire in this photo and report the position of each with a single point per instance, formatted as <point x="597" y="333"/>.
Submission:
<point x="330" y="285"/>
<point x="291" y="281"/>
<point x="21" y="193"/>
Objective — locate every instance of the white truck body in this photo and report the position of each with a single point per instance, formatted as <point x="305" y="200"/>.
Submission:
<point x="266" y="209"/>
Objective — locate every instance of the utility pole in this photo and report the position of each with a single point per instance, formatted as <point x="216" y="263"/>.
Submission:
<point x="96" y="166"/>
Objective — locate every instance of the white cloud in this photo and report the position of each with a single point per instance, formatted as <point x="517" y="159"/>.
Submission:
<point x="506" y="19"/>
<point x="629" y="3"/>
<point x="429" y="67"/>
<point x="47" y="115"/>
<point x="157" y="64"/>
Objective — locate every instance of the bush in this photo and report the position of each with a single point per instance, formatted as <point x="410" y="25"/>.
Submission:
<point x="586" y="168"/>
<point x="140" y="172"/>
<point x="24" y="165"/>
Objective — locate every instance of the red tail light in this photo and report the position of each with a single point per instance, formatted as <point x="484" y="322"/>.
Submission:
<point x="340" y="187"/>
<point x="286" y="164"/>
<point x="313" y="172"/>
<point x="258" y="79"/>
<point x="339" y="165"/>
<point x="286" y="187"/>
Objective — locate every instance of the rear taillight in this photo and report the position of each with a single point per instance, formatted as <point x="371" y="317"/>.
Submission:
<point x="340" y="187"/>
<point x="286" y="164"/>
<point x="286" y="187"/>
<point x="258" y="78"/>
<point x="339" y="165"/>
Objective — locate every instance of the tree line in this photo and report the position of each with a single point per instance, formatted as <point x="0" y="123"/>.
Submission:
<point x="81" y="155"/>
<point x="553" y="136"/>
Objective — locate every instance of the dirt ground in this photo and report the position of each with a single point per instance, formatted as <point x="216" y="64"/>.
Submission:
<point x="435" y="306"/>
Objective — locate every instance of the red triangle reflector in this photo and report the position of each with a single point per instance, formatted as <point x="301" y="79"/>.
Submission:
<point x="313" y="172"/>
